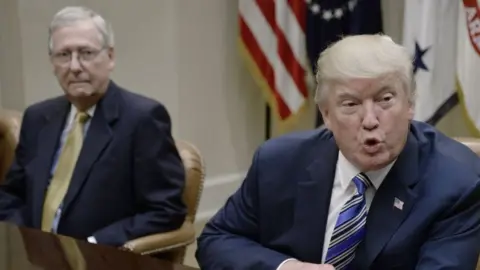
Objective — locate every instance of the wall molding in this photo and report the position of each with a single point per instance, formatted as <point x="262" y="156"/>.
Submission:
<point x="216" y="191"/>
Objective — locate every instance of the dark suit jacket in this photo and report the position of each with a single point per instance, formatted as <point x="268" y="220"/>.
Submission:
<point x="280" y="211"/>
<point x="127" y="183"/>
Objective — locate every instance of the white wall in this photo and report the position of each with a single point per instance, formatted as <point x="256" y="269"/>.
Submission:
<point x="11" y="75"/>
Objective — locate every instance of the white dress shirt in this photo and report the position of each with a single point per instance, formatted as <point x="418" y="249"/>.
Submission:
<point x="343" y="189"/>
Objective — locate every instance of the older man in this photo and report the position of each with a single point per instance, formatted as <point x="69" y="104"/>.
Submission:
<point x="99" y="162"/>
<point x="375" y="190"/>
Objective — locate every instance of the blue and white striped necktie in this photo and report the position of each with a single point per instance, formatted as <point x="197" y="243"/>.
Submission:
<point x="350" y="227"/>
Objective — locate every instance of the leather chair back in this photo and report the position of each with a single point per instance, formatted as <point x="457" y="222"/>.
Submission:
<point x="195" y="175"/>
<point x="10" y="122"/>
<point x="472" y="143"/>
<point x="172" y="245"/>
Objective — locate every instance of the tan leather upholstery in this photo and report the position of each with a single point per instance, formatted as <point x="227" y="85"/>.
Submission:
<point x="10" y="122"/>
<point x="474" y="144"/>
<point x="169" y="245"/>
<point x="172" y="245"/>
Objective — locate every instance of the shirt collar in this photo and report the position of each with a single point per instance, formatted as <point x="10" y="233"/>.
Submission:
<point x="347" y="171"/>
<point x="73" y="112"/>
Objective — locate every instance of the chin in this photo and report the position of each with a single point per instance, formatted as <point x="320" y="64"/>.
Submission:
<point x="81" y="92"/>
<point x="376" y="162"/>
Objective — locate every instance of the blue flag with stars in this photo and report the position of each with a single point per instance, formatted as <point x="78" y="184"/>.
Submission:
<point x="430" y="28"/>
<point x="329" y="20"/>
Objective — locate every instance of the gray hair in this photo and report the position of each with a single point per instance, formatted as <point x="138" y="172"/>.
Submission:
<point x="363" y="56"/>
<point x="70" y="15"/>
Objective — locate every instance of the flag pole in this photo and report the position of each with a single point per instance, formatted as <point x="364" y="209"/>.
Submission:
<point x="268" y="122"/>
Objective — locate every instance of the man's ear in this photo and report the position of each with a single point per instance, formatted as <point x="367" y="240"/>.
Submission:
<point x="111" y="55"/>
<point x="51" y="62"/>
<point x="325" y="115"/>
<point x="411" y="111"/>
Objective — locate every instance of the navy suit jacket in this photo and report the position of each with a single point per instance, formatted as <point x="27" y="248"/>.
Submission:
<point x="128" y="180"/>
<point x="281" y="209"/>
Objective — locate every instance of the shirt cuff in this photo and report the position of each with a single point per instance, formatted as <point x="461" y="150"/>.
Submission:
<point x="92" y="240"/>
<point x="280" y="266"/>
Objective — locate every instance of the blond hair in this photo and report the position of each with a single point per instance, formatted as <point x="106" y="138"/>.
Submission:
<point x="363" y="56"/>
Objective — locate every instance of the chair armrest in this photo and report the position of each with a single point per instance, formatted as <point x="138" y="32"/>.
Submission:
<point x="161" y="242"/>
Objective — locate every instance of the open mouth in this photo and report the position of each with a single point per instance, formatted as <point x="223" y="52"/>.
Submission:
<point x="371" y="142"/>
<point x="371" y="145"/>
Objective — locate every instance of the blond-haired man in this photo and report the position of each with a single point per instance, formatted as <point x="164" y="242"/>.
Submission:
<point x="375" y="190"/>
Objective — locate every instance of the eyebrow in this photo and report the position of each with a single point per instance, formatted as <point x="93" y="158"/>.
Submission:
<point x="345" y="95"/>
<point x="79" y="48"/>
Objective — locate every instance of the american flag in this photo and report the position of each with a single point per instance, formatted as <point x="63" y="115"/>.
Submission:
<point x="282" y="39"/>
<point x="272" y="38"/>
<point x="397" y="203"/>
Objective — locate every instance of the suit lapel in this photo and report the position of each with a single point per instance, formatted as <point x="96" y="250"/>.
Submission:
<point x="391" y="204"/>
<point x="97" y="139"/>
<point x="314" y="190"/>
<point x="48" y="142"/>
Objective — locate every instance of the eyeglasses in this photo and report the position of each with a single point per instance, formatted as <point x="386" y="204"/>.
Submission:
<point x="84" y="55"/>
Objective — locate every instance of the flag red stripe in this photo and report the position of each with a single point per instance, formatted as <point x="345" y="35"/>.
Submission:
<point x="263" y="65"/>
<point x="291" y="64"/>
<point x="299" y="8"/>
<point x="268" y="10"/>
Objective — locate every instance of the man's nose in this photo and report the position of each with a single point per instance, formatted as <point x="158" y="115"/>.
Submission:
<point x="75" y="63"/>
<point x="370" y="118"/>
